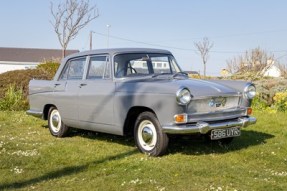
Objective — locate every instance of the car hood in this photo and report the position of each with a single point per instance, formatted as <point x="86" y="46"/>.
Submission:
<point x="198" y="88"/>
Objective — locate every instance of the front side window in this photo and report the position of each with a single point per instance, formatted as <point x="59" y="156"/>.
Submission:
<point x="74" y="69"/>
<point x="136" y="64"/>
<point x="98" y="68"/>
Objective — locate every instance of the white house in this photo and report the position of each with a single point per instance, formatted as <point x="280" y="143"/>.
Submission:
<point x="271" y="70"/>
<point x="24" y="58"/>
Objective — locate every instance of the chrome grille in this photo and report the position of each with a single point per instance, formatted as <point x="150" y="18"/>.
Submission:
<point x="213" y="104"/>
<point x="215" y="109"/>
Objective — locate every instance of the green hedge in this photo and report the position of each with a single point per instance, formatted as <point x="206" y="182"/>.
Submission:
<point x="13" y="100"/>
<point x="17" y="81"/>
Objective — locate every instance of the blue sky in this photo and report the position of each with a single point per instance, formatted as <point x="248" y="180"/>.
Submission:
<point x="233" y="27"/>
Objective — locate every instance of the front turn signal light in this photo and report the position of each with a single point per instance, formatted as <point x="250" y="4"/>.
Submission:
<point x="180" y="118"/>
<point x="249" y="111"/>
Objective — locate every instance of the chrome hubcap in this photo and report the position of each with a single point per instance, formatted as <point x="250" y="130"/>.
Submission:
<point x="147" y="135"/>
<point x="55" y="120"/>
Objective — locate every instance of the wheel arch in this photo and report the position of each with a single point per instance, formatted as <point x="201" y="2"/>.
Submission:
<point x="46" y="111"/>
<point x="131" y="118"/>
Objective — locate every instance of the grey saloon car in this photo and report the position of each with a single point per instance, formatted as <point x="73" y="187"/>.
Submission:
<point x="141" y="92"/>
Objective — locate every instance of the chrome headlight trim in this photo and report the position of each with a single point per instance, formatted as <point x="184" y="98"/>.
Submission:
<point x="183" y="96"/>
<point x="249" y="91"/>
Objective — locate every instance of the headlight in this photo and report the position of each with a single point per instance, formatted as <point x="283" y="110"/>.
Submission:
<point x="183" y="96"/>
<point x="250" y="91"/>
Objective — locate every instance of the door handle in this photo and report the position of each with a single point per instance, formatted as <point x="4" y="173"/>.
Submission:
<point x="81" y="85"/>
<point x="55" y="85"/>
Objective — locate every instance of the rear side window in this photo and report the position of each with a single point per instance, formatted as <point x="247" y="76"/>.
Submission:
<point x="74" y="69"/>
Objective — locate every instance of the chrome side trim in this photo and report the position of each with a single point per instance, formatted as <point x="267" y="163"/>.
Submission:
<point x="205" y="127"/>
<point x="38" y="114"/>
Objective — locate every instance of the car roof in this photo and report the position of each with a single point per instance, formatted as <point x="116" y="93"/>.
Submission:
<point x="114" y="51"/>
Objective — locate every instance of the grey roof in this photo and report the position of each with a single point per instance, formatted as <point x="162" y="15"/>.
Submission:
<point x="31" y="54"/>
<point x="114" y="51"/>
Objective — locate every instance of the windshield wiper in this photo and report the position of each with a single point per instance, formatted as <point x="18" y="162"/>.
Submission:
<point x="180" y="74"/>
<point x="175" y="75"/>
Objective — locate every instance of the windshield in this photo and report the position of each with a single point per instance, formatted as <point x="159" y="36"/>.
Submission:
<point x="137" y="64"/>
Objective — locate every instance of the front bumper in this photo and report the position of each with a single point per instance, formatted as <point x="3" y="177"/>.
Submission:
<point x="205" y="127"/>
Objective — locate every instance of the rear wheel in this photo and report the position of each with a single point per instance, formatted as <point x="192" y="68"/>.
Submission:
<point x="148" y="135"/>
<point x="56" y="126"/>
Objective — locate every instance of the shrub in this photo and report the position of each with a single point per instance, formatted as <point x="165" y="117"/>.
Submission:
<point x="248" y="76"/>
<point x="259" y="104"/>
<point x="49" y="67"/>
<point x="194" y="76"/>
<point x="280" y="101"/>
<point x="13" y="100"/>
<point x="14" y="84"/>
<point x="21" y="78"/>
<point x="267" y="88"/>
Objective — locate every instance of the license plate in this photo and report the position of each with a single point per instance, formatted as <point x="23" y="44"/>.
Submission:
<point x="224" y="133"/>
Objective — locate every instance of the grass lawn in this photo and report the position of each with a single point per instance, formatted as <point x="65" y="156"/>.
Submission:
<point x="31" y="159"/>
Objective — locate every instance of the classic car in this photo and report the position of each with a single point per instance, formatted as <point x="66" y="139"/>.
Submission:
<point x="142" y="92"/>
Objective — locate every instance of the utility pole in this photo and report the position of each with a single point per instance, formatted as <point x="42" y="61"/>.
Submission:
<point x="108" y="40"/>
<point x="91" y="39"/>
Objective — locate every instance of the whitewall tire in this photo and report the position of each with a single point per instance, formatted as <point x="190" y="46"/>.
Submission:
<point x="56" y="126"/>
<point x="148" y="135"/>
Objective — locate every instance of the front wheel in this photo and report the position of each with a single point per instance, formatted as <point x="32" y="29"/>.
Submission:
<point x="56" y="126"/>
<point x="148" y="135"/>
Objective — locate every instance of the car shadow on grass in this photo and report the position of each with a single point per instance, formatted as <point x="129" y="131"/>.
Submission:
<point x="123" y="140"/>
<point x="63" y="172"/>
<point x="191" y="145"/>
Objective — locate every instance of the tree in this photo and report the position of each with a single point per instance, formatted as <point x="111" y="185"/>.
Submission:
<point x="283" y="69"/>
<point x="204" y="49"/>
<point x="252" y="62"/>
<point x="69" y="18"/>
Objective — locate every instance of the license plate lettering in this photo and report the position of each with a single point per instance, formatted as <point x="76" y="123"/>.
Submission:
<point x="224" y="133"/>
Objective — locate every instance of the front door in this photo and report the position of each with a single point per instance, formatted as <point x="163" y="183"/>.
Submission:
<point x="96" y="96"/>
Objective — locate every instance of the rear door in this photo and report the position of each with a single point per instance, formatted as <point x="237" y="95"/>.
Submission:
<point x="67" y="89"/>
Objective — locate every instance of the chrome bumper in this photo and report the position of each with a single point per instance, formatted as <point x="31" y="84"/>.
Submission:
<point x="35" y="113"/>
<point x="204" y="127"/>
